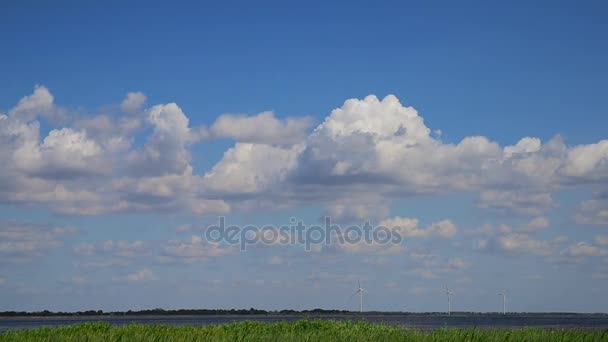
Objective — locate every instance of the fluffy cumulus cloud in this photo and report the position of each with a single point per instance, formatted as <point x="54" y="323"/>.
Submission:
<point x="262" y="128"/>
<point x="133" y="103"/>
<point x="588" y="161"/>
<point x="64" y="153"/>
<point x="165" y="151"/>
<point x="354" y="166"/>
<point x="251" y="168"/>
<point x="379" y="146"/>
<point x="40" y="102"/>
<point x="362" y="156"/>
<point x="103" y="163"/>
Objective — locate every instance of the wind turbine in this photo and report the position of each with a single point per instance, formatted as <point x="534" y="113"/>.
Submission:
<point x="504" y="301"/>
<point x="449" y="294"/>
<point x="360" y="291"/>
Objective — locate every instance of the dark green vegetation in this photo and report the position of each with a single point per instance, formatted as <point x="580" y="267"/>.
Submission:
<point x="163" y="312"/>
<point x="304" y="330"/>
<point x="252" y="311"/>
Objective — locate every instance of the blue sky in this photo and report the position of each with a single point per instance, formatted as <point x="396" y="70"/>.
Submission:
<point x="128" y="128"/>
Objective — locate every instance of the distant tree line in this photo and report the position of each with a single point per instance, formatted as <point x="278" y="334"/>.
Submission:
<point x="252" y="311"/>
<point x="163" y="312"/>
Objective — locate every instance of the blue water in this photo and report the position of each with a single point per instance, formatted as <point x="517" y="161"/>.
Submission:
<point x="417" y="321"/>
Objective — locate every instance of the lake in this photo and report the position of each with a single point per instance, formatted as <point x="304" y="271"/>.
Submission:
<point x="417" y="321"/>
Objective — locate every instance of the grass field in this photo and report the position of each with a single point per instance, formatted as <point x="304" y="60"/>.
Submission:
<point x="304" y="330"/>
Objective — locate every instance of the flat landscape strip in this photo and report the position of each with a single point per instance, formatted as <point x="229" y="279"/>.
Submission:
<point x="303" y="330"/>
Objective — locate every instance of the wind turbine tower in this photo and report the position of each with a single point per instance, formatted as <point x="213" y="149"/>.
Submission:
<point x="449" y="294"/>
<point x="504" y="301"/>
<point x="360" y="291"/>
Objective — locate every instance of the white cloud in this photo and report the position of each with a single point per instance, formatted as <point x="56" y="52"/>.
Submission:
<point x="110" y="253"/>
<point x="263" y="128"/>
<point x="133" y="103"/>
<point x="168" y="193"/>
<point x="110" y="163"/>
<point x="166" y="151"/>
<point x="444" y="229"/>
<point x="251" y="168"/>
<point x="408" y="228"/>
<point x="361" y="116"/>
<point x="2" y="281"/>
<point x="362" y="247"/>
<point x="593" y="212"/>
<point x="589" y="162"/>
<point x="114" y="133"/>
<point x="57" y="170"/>
<point x="431" y="266"/>
<point x="525" y="145"/>
<point x="521" y="242"/>
<point x="517" y="202"/>
<point x="64" y="153"/>
<point x="584" y="249"/>
<point x="357" y="209"/>
<point x="22" y="242"/>
<point x="120" y="248"/>
<point x="488" y="230"/>
<point x="193" y="250"/>
<point x="382" y="145"/>
<point x="144" y="275"/>
<point x="40" y="102"/>
<point x="505" y="241"/>
<point x="536" y="224"/>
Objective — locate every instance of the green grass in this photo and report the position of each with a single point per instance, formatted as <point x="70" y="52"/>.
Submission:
<point x="304" y="330"/>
